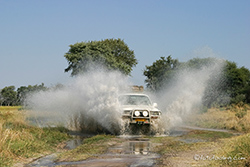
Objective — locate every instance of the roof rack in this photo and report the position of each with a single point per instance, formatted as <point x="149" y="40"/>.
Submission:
<point x="136" y="88"/>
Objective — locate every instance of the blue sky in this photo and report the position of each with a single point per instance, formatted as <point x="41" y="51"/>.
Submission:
<point x="35" y="34"/>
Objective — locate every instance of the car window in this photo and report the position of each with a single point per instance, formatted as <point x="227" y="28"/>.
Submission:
<point x="134" y="100"/>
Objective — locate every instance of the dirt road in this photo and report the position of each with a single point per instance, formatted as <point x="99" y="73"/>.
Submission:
<point x="147" y="151"/>
<point x="132" y="151"/>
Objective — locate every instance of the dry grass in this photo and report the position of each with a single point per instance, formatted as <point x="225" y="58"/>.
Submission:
<point x="20" y="142"/>
<point x="175" y="152"/>
<point x="10" y="108"/>
<point x="215" y="149"/>
<point x="8" y="135"/>
<point x="232" y="118"/>
<point x="233" y="152"/>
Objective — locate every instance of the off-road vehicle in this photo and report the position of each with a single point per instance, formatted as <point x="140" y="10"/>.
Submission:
<point x="139" y="113"/>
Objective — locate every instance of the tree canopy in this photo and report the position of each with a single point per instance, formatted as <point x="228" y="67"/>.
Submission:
<point x="238" y="82"/>
<point x="160" y="72"/>
<point x="232" y="81"/>
<point x="23" y="91"/>
<point x="114" y="54"/>
<point x="8" y="96"/>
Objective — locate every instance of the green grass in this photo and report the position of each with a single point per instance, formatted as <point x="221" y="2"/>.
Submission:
<point x="207" y="135"/>
<point x="10" y="108"/>
<point x="169" y="145"/>
<point x="20" y="141"/>
<point x="90" y="147"/>
<point x="235" y="150"/>
<point x="177" y="144"/>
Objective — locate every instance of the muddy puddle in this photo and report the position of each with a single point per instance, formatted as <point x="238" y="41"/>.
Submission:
<point x="49" y="159"/>
<point x="134" y="151"/>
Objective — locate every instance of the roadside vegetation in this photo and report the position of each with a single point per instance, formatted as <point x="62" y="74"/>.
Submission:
<point x="95" y="145"/>
<point x="21" y="142"/>
<point x="210" y="148"/>
<point x="234" y="117"/>
<point x="233" y="151"/>
<point x="203" y="148"/>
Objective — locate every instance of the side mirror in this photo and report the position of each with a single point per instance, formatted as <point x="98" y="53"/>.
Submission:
<point x="155" y="105"/>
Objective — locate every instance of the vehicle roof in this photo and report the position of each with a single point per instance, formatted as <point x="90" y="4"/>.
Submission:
<point x="141" y="94"/>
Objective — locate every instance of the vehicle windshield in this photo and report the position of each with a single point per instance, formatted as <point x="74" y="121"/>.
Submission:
<point x="134" y="100"/>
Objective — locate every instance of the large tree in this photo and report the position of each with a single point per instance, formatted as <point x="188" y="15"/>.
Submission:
<point x="229" y="85"/>
<point x="9" y="96"/>
<point x="160" y="72"/>
<point x="114" y="54"/>
<point x="24" y="91"/>
<point x="238" y="81"/>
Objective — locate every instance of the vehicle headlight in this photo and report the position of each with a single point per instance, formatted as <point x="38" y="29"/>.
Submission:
<point x="126" y="112"/>
<point x="145" y="113"/>
<point x="137" y="113"/>
<point x="155" y="113"/>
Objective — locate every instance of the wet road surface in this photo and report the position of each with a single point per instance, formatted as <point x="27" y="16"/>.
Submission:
<point x="134" y="152"/>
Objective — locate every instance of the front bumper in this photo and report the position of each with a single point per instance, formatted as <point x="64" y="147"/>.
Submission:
<point x="140" y="120"/>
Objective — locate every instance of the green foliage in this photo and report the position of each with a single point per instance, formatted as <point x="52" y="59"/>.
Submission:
<point x="8" y="95"/>
<point x="248" y="93"/>
<point x="199" y="63"/>
<point x="23" y="91"/>
<point x="160" y="72"/>
<point x="240" y="114"/>
<point x="238" y="80"/>
<point x="230" y="86"/>
<point x="111" y="53"/>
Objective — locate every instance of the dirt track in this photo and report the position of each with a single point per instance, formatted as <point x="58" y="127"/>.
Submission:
<point x="141" y="151"/>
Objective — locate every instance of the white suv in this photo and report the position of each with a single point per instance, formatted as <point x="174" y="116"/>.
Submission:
<point x="139" y="110"/>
